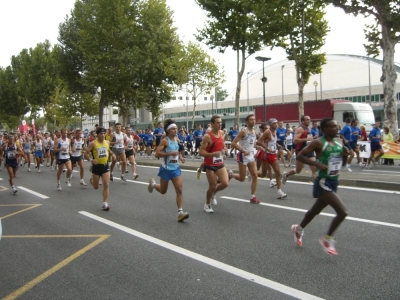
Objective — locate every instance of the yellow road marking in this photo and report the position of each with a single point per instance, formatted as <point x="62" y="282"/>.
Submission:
<point x="20" y="211"/>
<point x="3" y="188"/>
<point x="57" y="267"/>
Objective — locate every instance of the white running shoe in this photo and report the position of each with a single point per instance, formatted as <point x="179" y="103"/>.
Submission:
<point x="105" y="206"/>
<point x="123" y="177"/>
<point x="135" y="176"/>
<point x="58" y="186"/>
<point x="348" y="168"/>
<point x="248" y="176"/>
<point x="281" y="195"/>
<point x="29" y="169"/>
<point x="182" y="215"/>
<point x="150" y="187"/>
<point x="68" y="184"/>
<point x="14" y="190"/>
<point x="369" y="167"/>
<point x="272" y="183"/>
<point x="83" y="183"/>
<point x="284" y="177"/>
<point x="214" y="199"/>
<point x="39" y="171"/>
<point x="208" y="209"/>
<point x="361" y="165"/>
<point x="230" y="174"/>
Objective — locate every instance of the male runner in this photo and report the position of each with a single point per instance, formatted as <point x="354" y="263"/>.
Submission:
<point x="101" y="151"/>
<point x="232" y="135"/>
<point x="268" y="141"/>
<point x="281" y="134"/>
<point x="10" y="150"/>
<point x="244" y="143"/>
<point x="158" y="132"/>
<point x="329" y="151"/>
<point x="301" y="138"/>
<point x="345" y="135"/>
<point x="375" y="138"/>
<point x="130" y="144"/>
<point x="212" y="149"/>
<point x="198" y="136"/>
<point x="62" y="148"/>
<point x="38" y="145"/>
<point x="168" y="150"/>
<point x="118" y="148"/>
<point x="78" y="147"/>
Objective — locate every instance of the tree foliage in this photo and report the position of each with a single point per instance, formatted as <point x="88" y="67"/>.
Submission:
<point x="232" y="24"/>
<point x="386" y="34"/>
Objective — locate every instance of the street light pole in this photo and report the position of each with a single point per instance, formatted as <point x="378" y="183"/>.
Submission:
<point x="282" y="84"/>
<point x="187" y="103"/>
<point x="264" y="80"/>
<point x="369" y="79"/>
<point x="248" y="111"/>
<point x="315" y="84"/>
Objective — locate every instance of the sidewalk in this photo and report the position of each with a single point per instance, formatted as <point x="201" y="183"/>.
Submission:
<point x="358" y="178"/>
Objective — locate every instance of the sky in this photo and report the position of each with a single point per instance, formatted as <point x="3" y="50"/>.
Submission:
<point x="24" y="23"/>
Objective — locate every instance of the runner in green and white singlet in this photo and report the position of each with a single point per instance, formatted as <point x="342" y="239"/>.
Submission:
<point x="329" y="151"/>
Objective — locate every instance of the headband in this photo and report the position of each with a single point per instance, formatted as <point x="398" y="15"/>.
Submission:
<point x="101" y="130"/>
<point x="171" y="125"/>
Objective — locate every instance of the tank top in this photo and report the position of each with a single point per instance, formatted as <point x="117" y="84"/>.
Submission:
<point x="63" y="154"/>
<point x="38" y="146"/>
<point x="247" y="142"/>
<point x="272" y="143"/>
<point x="289" y="140"/>
<point x="27" y="147"/>
<point x="306" y="133"/>
<point x="51" y="143"/>
<point x="120" y="137"/>
<point x="46" y="143"/>
<point x="129" y="142"/>
<point x="171" y="162"/>
<point x="217" y="145"/>
<point x="78" y="145"/>
<point x="100" y="151"/>
<point x="11" y="152"/>
<point x="332" y="157"/>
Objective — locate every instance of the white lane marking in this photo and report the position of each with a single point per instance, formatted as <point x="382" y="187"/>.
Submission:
<point x="323" y="214"/>
<point x="32" y="192"/>
<point x="1" y="178"/>
<point x="134" y="181"/>
<point x="214" y="263"/>
<point x="373" y="172"/>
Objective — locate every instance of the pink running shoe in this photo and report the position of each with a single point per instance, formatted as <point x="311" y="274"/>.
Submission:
<point x="298" y="237"/>
<point x="328" y="246"/>
<point x="254" y="200"/>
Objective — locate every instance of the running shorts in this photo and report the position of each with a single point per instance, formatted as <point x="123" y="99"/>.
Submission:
<point x="167" y="175"/>
<point x="75" y="159"/>
<point x="245" y="159"/>
<point x="100" y="169"/>
<point x="213" y="168"/>
<point x="198" y="144"/>
<point x="324" y="184"/>
<point x="375" y="146"/>
<point x="129" y="153"/>
<point x="62" y="161"/>
<point x="39" y="153"/>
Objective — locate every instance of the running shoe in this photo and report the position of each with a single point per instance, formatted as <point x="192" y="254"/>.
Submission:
<point x="83" y="182"/>
<point x="150" y="187"/>
<point x="135" y="176"/>
<point x="362" y="165"/>
<point x="374" y="162"/>
<point x="284" y="177"/>
<point x="39" y="171"/>
<point x="272" y="183"/>
<point x="248" y="176"/>
<point x="208" y="209"/>
<point x="281" y="195"/>
<point x="254" y="200"/>
<point x="230" y="174"/>
<point x="123" y="177"/>
<point x="14" y="190"/>
<point x="198" y="173"/>
<point x="52" y="168"/>
<point x="214" y="199"/>
<point x="105" y="206"/>
<point x="348" y="168"/>
<point x="68" y="184"/>
<point x="368" y="167"/>
<point x="182" y="216"/>
<point x="29" y="169"/>
<point x="298" y="236"/>
<point x="328" y="246"/>
<point x="58" y="186"/>
<point x="111" y="177"/>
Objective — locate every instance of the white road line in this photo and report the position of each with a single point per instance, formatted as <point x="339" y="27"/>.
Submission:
<point x="33" y="192"/>
<point x="1" y="178"/>
<point x="323" y="214"/>
<point x="134" y="181"/>
<point x="214" y="263"/>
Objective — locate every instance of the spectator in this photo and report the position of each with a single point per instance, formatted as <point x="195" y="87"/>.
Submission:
<point x="387" y="138"/>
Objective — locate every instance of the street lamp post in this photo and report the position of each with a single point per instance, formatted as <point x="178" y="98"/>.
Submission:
<point x="212" y="104"/>
<point x="282" y="83"/>
<point x="248" y="111"/>
<point x="369" y="80"/>
<point x="187" y="103"/>
<point x="264" y="80"/>
<point x="315" y="84"/>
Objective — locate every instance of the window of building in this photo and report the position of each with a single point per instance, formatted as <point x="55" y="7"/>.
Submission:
<point x="205" y="98"/>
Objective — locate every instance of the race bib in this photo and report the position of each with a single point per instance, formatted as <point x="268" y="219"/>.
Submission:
<point x="11" y="155"/>
<point x="219" y="159"/>
<point x="102" y="152"/>
<point x="38" y="147"/>
<point x="272" y="148"/>
<point x="173" y="159"/>
<point x="309" y="135"/>
<point x="334" y="165"/>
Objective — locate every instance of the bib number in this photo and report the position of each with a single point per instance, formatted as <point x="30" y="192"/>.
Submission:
<point x="102" y="152"/>
<point x="219" y="159"/>
<point x="334" y="165"/>
<point x="11" y="155"/>
<point x="173" y="159"/>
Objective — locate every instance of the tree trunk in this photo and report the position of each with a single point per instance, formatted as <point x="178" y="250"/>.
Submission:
<point x="101" y="107"/>
<point x="388" y="79"/>
<point x="301" y="85"/>
<point x="194" y="110"/>
<point x="238" y="84"/>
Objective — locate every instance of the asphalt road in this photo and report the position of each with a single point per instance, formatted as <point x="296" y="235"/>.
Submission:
<point x="65" y="246"/>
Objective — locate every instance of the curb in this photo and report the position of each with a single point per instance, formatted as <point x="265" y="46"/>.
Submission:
<point x="379" y="185"/>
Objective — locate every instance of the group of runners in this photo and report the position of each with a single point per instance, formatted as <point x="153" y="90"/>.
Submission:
<point x="257" y="155"/>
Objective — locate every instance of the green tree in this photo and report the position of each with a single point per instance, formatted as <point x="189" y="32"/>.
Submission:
<point x="203" y="73"/>
<point x="387" y="35"/>
<point x="232" y="23"/>
<point x="300" y="29"/>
